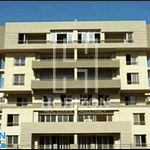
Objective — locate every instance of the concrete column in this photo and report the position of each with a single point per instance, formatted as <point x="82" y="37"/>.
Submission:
<point x="75" y="54"/>
<point x="35" y="119"/>
<point x="75" y="74"/>
<point x="48" y="38"/>
<point x="95" y="100"/>
<point x="76" y="113"/>
<point x="102" y="37"/>
<point x="75" y="139"/>
<point x="75" y="38"/>
<point x="36" y="144"/>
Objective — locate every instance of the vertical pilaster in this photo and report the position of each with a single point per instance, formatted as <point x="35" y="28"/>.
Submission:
<point x="75" y="74"/>
<point x="75" y="54"/>
<point x="102" y="37"/>
<point x="75" y="37"/>
<point x="35" y="117"/>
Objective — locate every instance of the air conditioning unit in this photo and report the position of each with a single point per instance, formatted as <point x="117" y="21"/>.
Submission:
<point x="87" y="120"/>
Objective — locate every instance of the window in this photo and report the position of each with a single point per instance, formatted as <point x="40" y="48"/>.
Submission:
<point x="105" y="118"/>
<point x="130" y="100"/>
<point x="131" y="59"/>
<point x="132" y="78"/>
<point x="21" y="101"/>
<point x="2" y="99"/>
<point x="18" y="79"/>
<point x="13" y="120"/>
<point x="0" y="117"/>
<point x="56" y="118"/>
<point x="19" y="60"/>
<point x="103" y="99"/>
<point x="48" y="101"/>
<point x="21" y="38"/>
<point x="66" y="100"/>
<point x="140" y="140"/>
<point x="129" y="37"/>
<point x="11" y="140"/>
<point x="86" y="100"/>
<point x="1" y="80"/>
<point x="61" y="37"/>
<point x="89" y="37"/>
<point x="139" y="119"/>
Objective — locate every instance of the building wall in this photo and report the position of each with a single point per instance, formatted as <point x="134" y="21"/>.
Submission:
<point x="137" y="27"/>
<point x="122" y="127"/>
<point x="10" y="69"/>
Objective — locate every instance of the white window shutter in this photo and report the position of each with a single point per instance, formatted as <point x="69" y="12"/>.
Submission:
<point x="91" y="37"/>
<point x="69" y="37"/>
<point x="53" y="37"/>
<point x="84" y="37"/>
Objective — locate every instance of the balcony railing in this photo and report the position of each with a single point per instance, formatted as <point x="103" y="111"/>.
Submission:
<point x="69" y="42"/>
<point x="132" y="62"/>
<point x="102" y="77"/>
<point x="132" y="82"/>
<point x="139" y="122"/>
<point x="57" y="78"/>
<point x="79" y="59"/>
<point x="12" y="123"/>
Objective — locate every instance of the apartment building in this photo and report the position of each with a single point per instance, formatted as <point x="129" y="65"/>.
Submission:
<point x="75" y="85"/>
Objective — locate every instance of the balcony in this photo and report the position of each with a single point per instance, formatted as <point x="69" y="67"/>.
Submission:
<point x="74" y="127"/>
<point x="79" y="84"/>
<point x="80" y="63"/>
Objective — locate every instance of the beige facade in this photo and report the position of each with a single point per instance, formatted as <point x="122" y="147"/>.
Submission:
<point x="102" y="104"/>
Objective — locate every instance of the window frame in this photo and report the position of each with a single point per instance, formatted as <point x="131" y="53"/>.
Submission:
<point x="132" y="76"/>
<point x="19" y="60"/>
<point x="14" y="117"/>
<point x="12" y="141"/>
<point x="24" y="101"/>
<point x="133" y="59"/>
<point x="140" y="144"/>
<point x="129" y="100"/>
<point x="19" y="79"/>
<point x="139" y="121"/>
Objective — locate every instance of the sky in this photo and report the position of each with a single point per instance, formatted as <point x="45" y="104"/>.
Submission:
<point x="39" y="11"/>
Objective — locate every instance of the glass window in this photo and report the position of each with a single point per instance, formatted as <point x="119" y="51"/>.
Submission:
<point x="139" y="119"/>
<point x="60" y="118"/>
<point x="132" y="78"/>
<point x="18" y="79"/>
<point x="65" y="118"/>
<point x="12" y="140"/>
<point x="70" y="118"/>
<point x="19" y="60"/>
<point x="140" y="140"/>
<point x="53" y="118"/>
<point x="48" y="118"/>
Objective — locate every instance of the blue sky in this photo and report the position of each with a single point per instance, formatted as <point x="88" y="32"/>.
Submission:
<point x="29" y="11"/>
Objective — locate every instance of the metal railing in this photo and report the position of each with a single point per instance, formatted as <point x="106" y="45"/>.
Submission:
<point x="139" y="123"/>
<point x="81" y="146"/>
<point x="102" y="77"/>
<point x="12" y="123"/>
<point x="133" y="82"/>
<point x="18" y="83"/>
<point x="19" y="64"/>
<point x="57" y="78"/>
<point x="132" y="62"/>
<point x="70" y="42"/>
